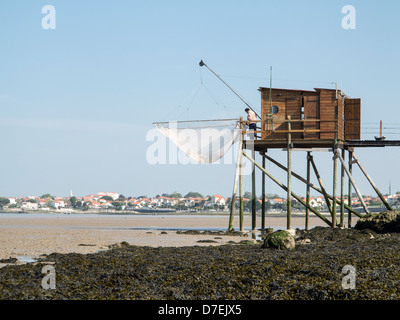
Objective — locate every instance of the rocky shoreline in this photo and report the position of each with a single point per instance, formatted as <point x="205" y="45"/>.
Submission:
<point x="313" y="270"/>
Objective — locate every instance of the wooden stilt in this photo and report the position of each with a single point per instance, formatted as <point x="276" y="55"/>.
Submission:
<point x="308" y="190"/>
<point x="342" y="193"/>
<point x="372" y="183"/>
<point x="253" y="194"/>
<point x="289" y="176"/>
<point x="241" y="226"/>
<point x="323" y="192"/>
<point x="286" y="189"/>
<point x="350" y="188"/>
<point x="353" y="183"/>
<point x="263" y="197"/>
<point x="233" y="202"/>
<point x="334" y="188"/>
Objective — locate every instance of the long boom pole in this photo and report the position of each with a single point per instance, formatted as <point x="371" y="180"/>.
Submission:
<point x="203" y="64"/>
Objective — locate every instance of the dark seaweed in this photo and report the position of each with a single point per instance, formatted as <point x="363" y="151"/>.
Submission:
<point x="313" y="270"/>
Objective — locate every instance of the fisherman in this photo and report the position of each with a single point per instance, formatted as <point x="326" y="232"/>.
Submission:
<point x="251" y="121"/>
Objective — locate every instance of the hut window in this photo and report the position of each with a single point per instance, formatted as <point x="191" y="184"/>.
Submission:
<point x="274" y="109"/>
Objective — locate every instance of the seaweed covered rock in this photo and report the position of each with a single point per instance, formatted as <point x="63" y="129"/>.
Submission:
<point x="383" y="222"/>
<point x="327" y="235"/>
<point x="280" y="239"/>
<point x="9" y="260"/>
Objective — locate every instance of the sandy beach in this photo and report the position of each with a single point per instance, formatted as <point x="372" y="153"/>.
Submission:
<point x="27" y="236"/>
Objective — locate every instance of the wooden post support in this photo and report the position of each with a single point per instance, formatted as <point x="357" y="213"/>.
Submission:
<point x="286" y="189"/>
<point x="241" y="226"/>
<point x="353" y="183"/>
<point x="350" y="188"/>
<point x="263" y="196"/>
<point x="253" y="194"/>
<point x="233" y="202"/>
<point x="308" y="190"/>
<point x="289" y="176"/>
<point x="342" y="193"/>
<point x="322" y="191"/>
<point x="334" y="187"/>
<point x="328" y="204"/>
<point x="372" y="184"/>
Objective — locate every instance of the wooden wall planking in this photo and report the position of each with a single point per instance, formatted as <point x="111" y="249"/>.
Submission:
<point x="328" y="113"/>
<point x="311" y="112"/>
<point x="352" y="119"/>
<point x="320" y="104"/>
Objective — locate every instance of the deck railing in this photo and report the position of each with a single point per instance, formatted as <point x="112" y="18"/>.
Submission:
<point x="269" y="132"/>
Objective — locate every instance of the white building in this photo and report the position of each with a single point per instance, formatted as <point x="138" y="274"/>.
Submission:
<point x="113" y="195"/>
<point x="29" y="206"/>
<point x="12" y="200"/>
<point x="58" y="204"/>
<point x="392" y="198"/>
<point x="218" y="199"/>
<point x="189" y="202"/>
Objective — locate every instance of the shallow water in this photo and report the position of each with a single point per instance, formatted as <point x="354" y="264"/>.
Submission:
<point x="153" y="218"/>
<point x="26" y="259"/>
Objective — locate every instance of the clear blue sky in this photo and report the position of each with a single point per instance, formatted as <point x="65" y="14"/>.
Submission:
<point x="77" y="101"/>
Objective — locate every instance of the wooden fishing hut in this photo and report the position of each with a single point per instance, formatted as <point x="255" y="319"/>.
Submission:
<point x="317" y="117"/>
<point x="307" y="120"/>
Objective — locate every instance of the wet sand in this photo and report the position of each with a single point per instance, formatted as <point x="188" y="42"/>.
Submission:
<point x="27" y="236"/>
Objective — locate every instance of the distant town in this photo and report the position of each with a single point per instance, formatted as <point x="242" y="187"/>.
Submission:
<point x="191" y="202"/>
